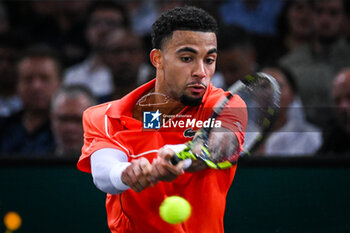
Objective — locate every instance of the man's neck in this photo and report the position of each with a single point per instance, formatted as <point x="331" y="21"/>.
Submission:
<point x="151" y="102"/>
<point x="322" y="46"/>
<point x="292" y="42"/>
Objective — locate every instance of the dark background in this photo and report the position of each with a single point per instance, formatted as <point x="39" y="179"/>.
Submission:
<point x="267" y="195"/>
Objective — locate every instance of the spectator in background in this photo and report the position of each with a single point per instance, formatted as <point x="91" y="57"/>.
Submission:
<point x="124" y="55"/>
<point x="256" y="16"/>
<point x="346" y="25"/>
<point x="67" y="107"/>
<point x="10" y="45"/>
<point x="294" y="27"/>
<point x="4" y="23"/>
<point x="337" y="134"/>
<point x="142" y="13"/>
<point x="315" y="64"/>
<point x="291" y="134"/>
<point x="70" y="18"/>
<point x="213" y="7"/>
<point x="28" y="132"/>
<point x="104" y="17"/>
<point x="59" y="24"/>
<point x="237" y="56"/>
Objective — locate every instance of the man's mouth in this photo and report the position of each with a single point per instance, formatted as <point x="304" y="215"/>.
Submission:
<point x="196" y="89"/>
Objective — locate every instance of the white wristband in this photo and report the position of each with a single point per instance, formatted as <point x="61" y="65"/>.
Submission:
<point x="107" y="166"/>
<point x="115" y="176"/>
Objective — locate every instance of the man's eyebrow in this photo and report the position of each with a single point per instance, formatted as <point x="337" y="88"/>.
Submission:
<point x="189" y="49"/>
<point x="211" y="51"/>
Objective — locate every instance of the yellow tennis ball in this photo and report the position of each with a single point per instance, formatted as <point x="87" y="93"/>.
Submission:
<point x="175" y="209"/>
<point x="12" y="221"/>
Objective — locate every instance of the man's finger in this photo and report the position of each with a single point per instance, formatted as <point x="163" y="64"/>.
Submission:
<point x="181" y="165"/>
<point x="165" y="153"/>
<point x="145" y="168"/>
<point x="158" y="169"/>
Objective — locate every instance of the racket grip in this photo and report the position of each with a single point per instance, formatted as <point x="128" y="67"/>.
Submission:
<point x="175" y="160"/>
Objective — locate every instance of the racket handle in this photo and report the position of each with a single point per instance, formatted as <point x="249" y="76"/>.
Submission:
<point x="182" y="155"/>
<point x="175" y="160"/>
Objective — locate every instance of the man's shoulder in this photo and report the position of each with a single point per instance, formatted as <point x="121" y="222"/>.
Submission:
<point x="340" y="54"/>
<point x="299" y="56"/>
<point x="99" y="110"/>
<point x="84" y="70"/>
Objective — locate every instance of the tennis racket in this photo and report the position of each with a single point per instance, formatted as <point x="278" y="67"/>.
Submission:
<point x="261" y="93"/>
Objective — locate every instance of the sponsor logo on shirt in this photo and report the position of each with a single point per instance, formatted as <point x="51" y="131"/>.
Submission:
<point x="189" y="133"/>
<point x="151" y="120"/>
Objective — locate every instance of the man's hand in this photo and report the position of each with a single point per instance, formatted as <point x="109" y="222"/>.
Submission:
<point x="137" y="175"/>
<point x="162" y="169"/>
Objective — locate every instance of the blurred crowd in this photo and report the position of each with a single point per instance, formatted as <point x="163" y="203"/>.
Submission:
<point x="58" y="58"/>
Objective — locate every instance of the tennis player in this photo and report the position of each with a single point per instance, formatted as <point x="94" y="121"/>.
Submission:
<point x="131" y="163"/>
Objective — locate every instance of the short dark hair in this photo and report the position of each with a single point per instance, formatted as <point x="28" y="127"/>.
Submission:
<point x="43" y="51"/>
<point x="231" y="36"/>
<point x="282" y="23"/>
<point x="73" y="91"/>
<point x="314" y="2"/>
<point x="181" y="18"/>
<point x="290" y="76"/>
<point x="110" y="5"/>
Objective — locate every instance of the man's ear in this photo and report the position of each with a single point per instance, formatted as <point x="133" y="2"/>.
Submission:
<point x="156" y="58"/>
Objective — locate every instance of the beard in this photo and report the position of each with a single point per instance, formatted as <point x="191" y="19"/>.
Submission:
<point x="189" y="101"/>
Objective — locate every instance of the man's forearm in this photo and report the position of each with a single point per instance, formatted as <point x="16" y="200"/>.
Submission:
<point x="107" y="166"/>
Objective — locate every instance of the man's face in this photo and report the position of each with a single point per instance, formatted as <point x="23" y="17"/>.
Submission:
<point x="124" y="55"/>
<point x="102" y="22"/>
<point x="287" y="94"/>
<point x="341" y="98"/>
<point x="328" y="18"/>
<point x="235" y="63"/>
<point x="66" y="121"/>
<point x="187" y="65"/>
<point x="38" y="79"/>
<point x="300" y="19"/>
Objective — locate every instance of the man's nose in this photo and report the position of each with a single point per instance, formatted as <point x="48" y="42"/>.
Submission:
<point x="200" y="70"/>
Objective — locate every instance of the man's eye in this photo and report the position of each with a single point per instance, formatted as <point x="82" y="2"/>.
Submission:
<point x="210" y="60"/>
<point x="186" y="59"/>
